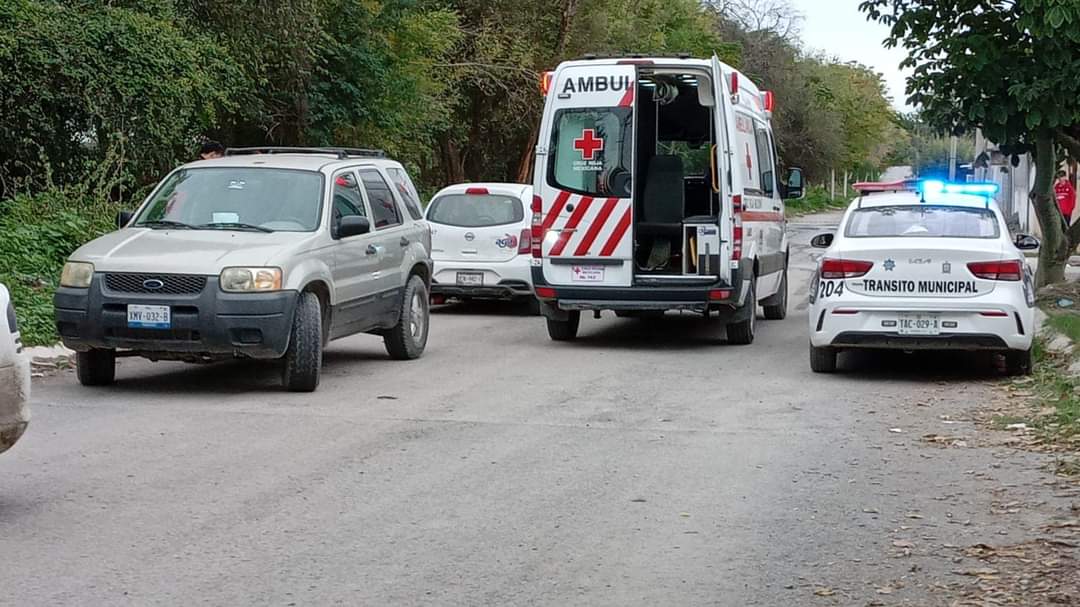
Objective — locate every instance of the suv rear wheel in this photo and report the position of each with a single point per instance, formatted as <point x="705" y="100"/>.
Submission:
<point x="96" y="367"/>
<point x="302" y="366"/>
<point x="408" y="338"/>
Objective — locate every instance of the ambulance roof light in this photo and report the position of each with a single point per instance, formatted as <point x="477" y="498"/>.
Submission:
<point x="545" y="82"/>
<point x="734" y="83"/>
<point x="768" y="100"/>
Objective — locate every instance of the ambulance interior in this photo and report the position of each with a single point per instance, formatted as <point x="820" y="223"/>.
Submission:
<point x="676" y="201"/>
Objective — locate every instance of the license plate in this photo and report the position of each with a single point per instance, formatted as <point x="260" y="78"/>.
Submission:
<point x="149" y="317"/>
<point x="587" y="273"/>
<point x="918" y="324"/>
<point x="470" y="279"/>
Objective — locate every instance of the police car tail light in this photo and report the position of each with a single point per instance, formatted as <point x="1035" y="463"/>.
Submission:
<point x="844" y="268"/>
<point x="736" y="230"/>
<point x="537" y="230"/>
<point x="525" y="242"/>
<point x="996" y="270"/>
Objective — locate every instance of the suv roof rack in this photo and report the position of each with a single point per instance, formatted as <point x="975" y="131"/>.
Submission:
<point x="341" y="153"/>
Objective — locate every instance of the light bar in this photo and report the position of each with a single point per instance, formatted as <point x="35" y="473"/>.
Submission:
<point x="867" y="187"/>
<point x="932" y="186"/>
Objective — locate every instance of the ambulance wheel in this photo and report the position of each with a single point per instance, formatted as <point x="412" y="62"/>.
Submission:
<point x="96" y="367"/>
<point x="741" y="333"/>
<point x="775" y="306"/>
<point x="564" y="330"/>
<point x="1018" y="362"/>
<point x="822" y="360"/>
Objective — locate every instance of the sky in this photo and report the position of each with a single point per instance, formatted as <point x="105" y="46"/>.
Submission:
<point x="837" y="28"/>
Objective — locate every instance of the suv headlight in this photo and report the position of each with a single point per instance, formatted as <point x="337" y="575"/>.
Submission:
<point x="77" y="275"/>
<point x="249" y="280"/>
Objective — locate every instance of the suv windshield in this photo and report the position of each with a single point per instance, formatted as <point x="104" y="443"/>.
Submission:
<point x="260" y="199"/>
<point x="476" y="210"/>
<point x="923" y="221"/>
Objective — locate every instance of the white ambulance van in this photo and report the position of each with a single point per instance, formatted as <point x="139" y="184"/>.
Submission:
<point x="656" y="189"/>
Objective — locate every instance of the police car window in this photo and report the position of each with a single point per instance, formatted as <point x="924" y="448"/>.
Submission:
<point x="476" y="210"/>
<point x="922" y="221"/>
<point x="383" y="206"/>
<point x="592" y="151"/>
<point x="347" y="200"/>
<point x="407" y="191"/>
<point x="765" y="158"/>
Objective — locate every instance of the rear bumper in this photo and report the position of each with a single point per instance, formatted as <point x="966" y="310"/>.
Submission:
<point x="950" y="341"/>
<point x="14" y="398"/>
<point x="502" y="280"/>
<point x="211" y="324"/>
<point x="697" y="298"/>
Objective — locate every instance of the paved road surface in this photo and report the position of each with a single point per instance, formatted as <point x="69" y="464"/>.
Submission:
<point x="645" y="464"/>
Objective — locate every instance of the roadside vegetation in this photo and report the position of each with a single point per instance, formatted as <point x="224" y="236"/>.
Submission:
<point x="816" y="199"/>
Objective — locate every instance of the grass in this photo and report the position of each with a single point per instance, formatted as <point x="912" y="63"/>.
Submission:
<point x="816" y="200"/>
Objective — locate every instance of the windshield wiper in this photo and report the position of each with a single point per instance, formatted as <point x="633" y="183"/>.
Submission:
<point x="165" y="223"/>
<point x="234" y="225"/>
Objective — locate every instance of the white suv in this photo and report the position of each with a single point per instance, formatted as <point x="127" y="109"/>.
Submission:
<point x="14" y="377"/>
<point x="267" y="253"/>
<point x="481" y="242"/>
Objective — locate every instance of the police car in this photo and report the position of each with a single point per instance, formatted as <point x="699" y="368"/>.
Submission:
<point x="923" y="265"/>
<point x="481" y="242"/>
<point x="14" y="377"/>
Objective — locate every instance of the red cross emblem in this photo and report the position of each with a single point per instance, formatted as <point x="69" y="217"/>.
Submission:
<point x="588" y="144"/>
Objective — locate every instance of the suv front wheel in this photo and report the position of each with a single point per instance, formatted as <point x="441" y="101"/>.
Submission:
<point x="303" y="360"/>
<point x="408" y="338"/>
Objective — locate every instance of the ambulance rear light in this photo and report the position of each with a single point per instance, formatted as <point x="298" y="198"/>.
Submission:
<point x="546" y="293"/>
<point x="477" y="191"/>
<point x="736" y="228"/>
<point x="844" y="268"/>
<point x="537" y="230"/>
<point x="525" y="242"/>
<point x="734" y="83"/>
<point x="996" y="270"/>
<point x="545" y="82"/>
<point x="768" y="100"/>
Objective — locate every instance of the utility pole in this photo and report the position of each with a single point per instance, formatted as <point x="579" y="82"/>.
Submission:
<point x="952" y="157"/>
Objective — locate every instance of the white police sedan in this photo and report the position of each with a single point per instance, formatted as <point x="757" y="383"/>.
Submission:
<point x="14" y="376"/>
<point x="919" y="266"/>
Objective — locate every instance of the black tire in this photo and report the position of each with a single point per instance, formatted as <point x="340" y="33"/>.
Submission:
<point x="564" y="330"/>
<point x="775" y="307"/>
<point x="96" y="367"/>
<point x="741" y="333"/>
<point x="408" y="338"/>
<point x="823" y="360"/>
<point x="302" y="364"/>
<point x="1018" y="362"/>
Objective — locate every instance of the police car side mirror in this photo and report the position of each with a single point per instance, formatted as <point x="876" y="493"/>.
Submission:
<point x="353" y="225"/>
<point x="122" y="219"/>
<point x="1026" y="242"/>
<point x="793" y="185"/>
<point x="821" y="241"/>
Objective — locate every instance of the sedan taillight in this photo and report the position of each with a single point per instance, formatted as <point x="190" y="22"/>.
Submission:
<point x="525" y="242"/>
<point x="844" y="268"/>
<point x="537" y="230"/>
<point x="997" y="270"/>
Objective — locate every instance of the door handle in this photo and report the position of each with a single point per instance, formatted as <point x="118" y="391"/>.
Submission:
<point x="372" y="250"/>
<point x="404" y="241"/>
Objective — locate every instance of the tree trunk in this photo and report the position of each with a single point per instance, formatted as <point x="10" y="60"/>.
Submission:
<point x="452" y="164"/>
<point x="525" y="164"/>
<point x="1054" y="251"/>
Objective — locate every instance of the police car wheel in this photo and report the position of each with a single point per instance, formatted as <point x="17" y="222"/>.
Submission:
<point x="741" y="333"/>
<point x="564" y="330"/>
<point x="302" y="365"/>
<point x="1018" y="362"/>
<point x="775" y="307"/>
<point x="96" y="367"/>
<point x="823" y="360"/>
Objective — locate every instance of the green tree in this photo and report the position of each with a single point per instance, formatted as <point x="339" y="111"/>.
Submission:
<point x="1006" y="66"/>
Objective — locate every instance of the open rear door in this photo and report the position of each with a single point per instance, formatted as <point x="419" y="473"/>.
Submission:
<point x="721" y="173"/>
<point x="585" y="180"/>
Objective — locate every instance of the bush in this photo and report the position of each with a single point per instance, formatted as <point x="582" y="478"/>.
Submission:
<point x="817" y="199"/>
<point x="37" y="234"/>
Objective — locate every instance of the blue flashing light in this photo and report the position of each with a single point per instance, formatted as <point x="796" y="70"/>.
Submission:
<point x="933" y="186"/>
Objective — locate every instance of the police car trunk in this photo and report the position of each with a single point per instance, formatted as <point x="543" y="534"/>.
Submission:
<point x="631" y="210"/>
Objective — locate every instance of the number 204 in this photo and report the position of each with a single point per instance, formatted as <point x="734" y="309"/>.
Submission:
<point x="830" y="288"/>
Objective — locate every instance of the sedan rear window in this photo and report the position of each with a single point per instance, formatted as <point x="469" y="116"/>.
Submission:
<point x="923" y="221"/>
<point x="476" y="210"/>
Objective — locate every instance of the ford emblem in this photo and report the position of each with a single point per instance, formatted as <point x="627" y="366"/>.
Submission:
<point x="153" y="284"/>
<point x="469" y="236"/>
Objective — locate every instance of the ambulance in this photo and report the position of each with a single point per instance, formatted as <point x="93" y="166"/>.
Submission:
<point x="656" y="189"/>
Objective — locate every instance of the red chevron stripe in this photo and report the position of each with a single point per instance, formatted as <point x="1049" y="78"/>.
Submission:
<point x="571" y="225"/>
<point x="596" y="226"/>
<point x="616" y="236"/>
<point x="628" y="98"/>
<point x="553" y="214"/>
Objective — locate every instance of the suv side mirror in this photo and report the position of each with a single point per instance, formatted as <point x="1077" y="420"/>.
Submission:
<point x="793" y="185"/>
<point x="353" y="225"/>
<point x="1026" y="242"/>
<point x="122" y="219"/>
<point x="822" y="241"/>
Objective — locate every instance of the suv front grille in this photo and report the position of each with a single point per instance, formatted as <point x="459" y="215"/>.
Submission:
<point x="171" y="284"/>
